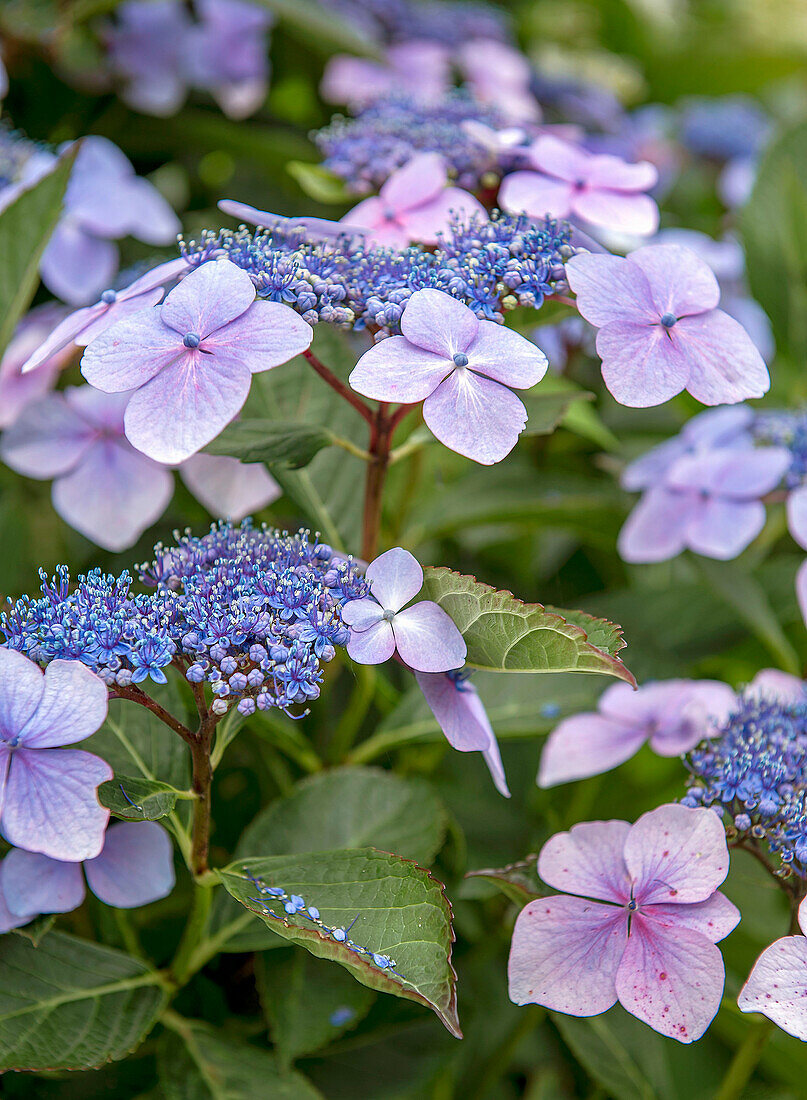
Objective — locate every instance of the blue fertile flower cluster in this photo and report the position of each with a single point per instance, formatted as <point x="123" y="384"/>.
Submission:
<point x="491" y="266"/>
<point x="294" y="905"/>
<point x="366" y="150"/>
<point x="755" y="769"/>
<point x="786" y="429"/>
<point x="248" y="610"/>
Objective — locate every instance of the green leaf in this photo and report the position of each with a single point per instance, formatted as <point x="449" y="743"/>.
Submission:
<point x="320" y="28"/>
<point x="271" y="442"/>
<point x="197" y="1062"/>
<point x="36" y="928"/>
<point x="400" y="910"/>
<point x="518" y="881"/>
<point x="345" y="808"/>
<point x="307" y="1002"/>
<point x="71" y="1004"/>
<point x="320" y="184"/>
<point x="136" y="743"/>
<point x="503" y="634"/>
<point x="135" y="799"/>
<point x="546" y="410"/>
<point x="25" y="228"/>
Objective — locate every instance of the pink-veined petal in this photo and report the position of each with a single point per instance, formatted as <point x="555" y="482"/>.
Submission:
<point x="657" y="527"/>
<point x="22" y="685"/>
<point x="475" y="416"/>
<point x="47" y="439"/>
<point x="587" y="744"/>
<point x="588" y="860"/>
<point x="372" y="646"/>
<point x="438" y="323"/>
<point x="671" y="978"/>
<point x="619" y="211"/>
<point x="641" y="365"/>
<point x="561" y="159"/>
<point x="726" y="366"/>
<point x="680" y="282"/>
<point x="427" y="638"/>
<point x="117" y="312"/>
<point x="397" y="370"/>
<point x="419" y="180"/>
<point x="777" y="986"/>
<point x="607" y="171"/>
<point x="714" y="918"/>
<point x="266" y="335"/>
<point x="63" y="335"/>
<point x="565" y="955"/>
<point x="676" y="854"/>
<point x="535" y="194"/>
<point x="130" y="352"/>
<point x="135" y="867"/>
<point x="208" y="298"/>
<point x="506" y="356"/>
<point x="51" y="803"/>
<point x="34" y="884"/>
<point x="186" y="406"/>
<point x="395" y="578"/>
<point x="72" y="706"/>
<point x="609" y="288"/>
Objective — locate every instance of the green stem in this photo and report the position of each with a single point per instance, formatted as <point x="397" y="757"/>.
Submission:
<point x="181" y="968"/>
<point x="131" y="940"/>
<point x="354" y="714"/>
<point x="744" y="1061"/>
<point x="351" y="448"/>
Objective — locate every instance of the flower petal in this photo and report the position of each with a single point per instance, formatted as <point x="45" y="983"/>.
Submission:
<point x="136" y="866"/>
<point x="208" y="298"/>
<point x="671" y="978"/>
<point x="229" y="488"/>
<point x="605" y="170"/>
<point x="676" y="854"/>
<point x="372" y="646"/>
<point x="186" y="406"/>
<point x="34" y="884"/>
<point x="535" y="194"/>
<point x="72" y="706"/>
<point x="361" y="614"/>
<point x="427" y="638"/>
<point x="397" y="370"/>
<point x="51" y="803"/>
<point x="587" y="744"/>
<point x="64" y="334"/>
<point x="743" y="474"/>
<point x="475" y="416"/>
<point x="714" y="918"/>
<point x="110" y="315"/>
<point x="428" y="222"/>
<point x="395" y="578"/>
<point x="22" y="685"/>
<point x="726" y="366"/>
<point x="620" y="211"/>
<point x="777" y="986"/>
<point x="422" y="178"/>
<point x="452" y="706"/>
<point x="436" y="322"/>
<point x="565" y="955"/>
<point x="723" y="528"/>
<point x="264" y="336"/>
<point x="47" y="439"/>
<point x="797" y="515"/>
<point x="130" y="352"/>
<point x="76" y="266"/>
<point x="609" y="288"/>
<point x="680" y="282"/>
<point x="506" y="356"/>
<point x="7" y="919"/>
<point x="641" y="365"/>
<point x="657" y="527"/>
<point x="588" y="860"/>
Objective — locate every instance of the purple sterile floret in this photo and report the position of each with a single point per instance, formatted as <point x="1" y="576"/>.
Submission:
<point x="423" y="635"/>
<point x="647" y="940"/>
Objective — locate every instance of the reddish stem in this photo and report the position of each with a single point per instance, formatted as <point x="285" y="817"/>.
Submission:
<point x="379" y="447"/>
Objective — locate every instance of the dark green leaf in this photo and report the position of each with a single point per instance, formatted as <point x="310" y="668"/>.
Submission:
<point x="505" y="635"/>
<point x="271" y="442"/>
<point x="319" y="184"/>
<point x="547" y="408"/>
<point x="135" y="799"/>
<point x="134" y="742"/>
<point x="400" y="910"/>
<point x="25" y="228"/>
<point x="37" y="928"/>
<point x="307" y="1002"/>
<point x="71" y="1004"/>
<point x="320" y="28"/>
<point x="196" y="1062"/>
<point x="519" y="881"/>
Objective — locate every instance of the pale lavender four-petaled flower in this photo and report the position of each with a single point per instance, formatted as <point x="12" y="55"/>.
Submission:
<point x="418" y="69"/>
<point x="671" y="715"/>
<point x="102" y="486"/>
<point x="134" y="867"/>
<point x="461" y="715"/>
<point x="18" y="387"/>
<point x="777" y="984"/>
<point x="647" y="939"/>
<point x="190" y="360"/>
<point x="424" y="635"/>
<point x="48" y="800"/>
<point x="461" y="368"/>
<point x="416" y="203"/>
<point x="566" y="181"/>
<point x="660" y="330"/>
<point x="709" y="502"/>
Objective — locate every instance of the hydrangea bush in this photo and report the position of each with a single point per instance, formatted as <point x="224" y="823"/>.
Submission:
<point x="334" y="448"/>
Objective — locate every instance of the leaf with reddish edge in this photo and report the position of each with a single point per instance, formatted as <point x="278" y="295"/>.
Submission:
<point x="400" y="911"/>
<point x="504" y="634"/>
<point x="518" y="881"/>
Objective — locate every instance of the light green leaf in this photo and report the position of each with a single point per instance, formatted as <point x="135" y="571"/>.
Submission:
<point x="546" y="408"/>
<point x="307" y="1002"/>
<point x="71" y="1004"/>
<point x="135" y="799"/>
<point x="320" y="184"/>
<point x="503" y="634"/>
<point x="197" y="1062"/>
<point x="25" y="228"/>
<point x="271" y="442"/>
<point x="400" y="911"/>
